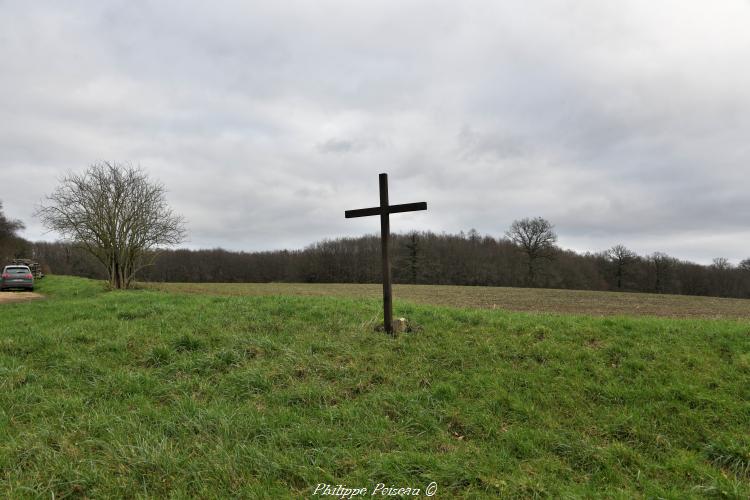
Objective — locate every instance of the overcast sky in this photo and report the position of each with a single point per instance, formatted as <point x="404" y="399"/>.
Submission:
<point x="620" y="122"/>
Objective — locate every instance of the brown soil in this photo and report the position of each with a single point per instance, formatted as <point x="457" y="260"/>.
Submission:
<point x="514" y="299"/>
<point x="13" y="296"/>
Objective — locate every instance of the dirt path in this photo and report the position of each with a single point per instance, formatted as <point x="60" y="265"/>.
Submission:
<point x="6" y="297"/>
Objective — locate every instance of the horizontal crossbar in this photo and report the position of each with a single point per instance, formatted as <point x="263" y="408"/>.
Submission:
<point x="407" y="207"/>
<point x="392" y="209"/>
<point x="362" y="212"/>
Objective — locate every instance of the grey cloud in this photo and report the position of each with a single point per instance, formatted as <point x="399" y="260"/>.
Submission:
<point x="341" y="146"/>
<point x="475" y="145"/>
<point x="338" y="146"/>
<point x="265" y="120"/>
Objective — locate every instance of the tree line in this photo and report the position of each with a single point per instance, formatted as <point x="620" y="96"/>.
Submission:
<point x="12" y="246"/>
<point x="117" y="223"/>
<point x="467" y="258"/>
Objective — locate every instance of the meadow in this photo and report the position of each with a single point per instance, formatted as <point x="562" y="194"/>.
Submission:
<point x="184" y="391"/>
<point x="493" y="297"/>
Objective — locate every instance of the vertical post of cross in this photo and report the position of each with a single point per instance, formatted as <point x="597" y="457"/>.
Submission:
<point x="384" y="211"/>
<point x="385" y="236"/>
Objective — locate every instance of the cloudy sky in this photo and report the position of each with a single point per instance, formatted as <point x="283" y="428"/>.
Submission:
<point x="617" y="121"/>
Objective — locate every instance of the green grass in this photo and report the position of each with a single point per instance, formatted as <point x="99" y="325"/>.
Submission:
<point x="149" y="393"/>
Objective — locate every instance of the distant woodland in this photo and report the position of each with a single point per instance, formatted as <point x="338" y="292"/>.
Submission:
<point x="526" y="256"/>
<point x="427" y="258"/>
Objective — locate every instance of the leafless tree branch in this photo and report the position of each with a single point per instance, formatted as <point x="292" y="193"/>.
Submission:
<point x="537" y="238"/>
<point x="117" y="214"/>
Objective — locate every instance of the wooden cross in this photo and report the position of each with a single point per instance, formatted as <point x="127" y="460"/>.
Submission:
<point x="384" y="210"/>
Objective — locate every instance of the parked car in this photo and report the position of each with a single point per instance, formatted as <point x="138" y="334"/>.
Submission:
<point x="17" y="277"/>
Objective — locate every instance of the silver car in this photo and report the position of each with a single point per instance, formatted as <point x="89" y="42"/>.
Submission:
<point x="17" y="277"/>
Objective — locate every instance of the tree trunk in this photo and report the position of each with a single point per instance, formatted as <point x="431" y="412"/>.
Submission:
<point x="530" y="276"/>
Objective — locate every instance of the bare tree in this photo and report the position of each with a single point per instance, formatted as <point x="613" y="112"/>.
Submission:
<point x="744" y="265"/>
<point x="721" y="264"/>
<point x="662" y="265"/>
<point x="11" y="245"/>
<point x="413" y="248"/>
<point x="723" y="279"/>
<point x="537" y="239"/>
<point x="622" y="259"/>
<point x="8" y="227"/>
<point x="115" y="213"/>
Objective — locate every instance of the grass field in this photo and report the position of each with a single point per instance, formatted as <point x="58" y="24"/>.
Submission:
<point x="153" y="393"/>
<point x="512" y="299"/>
